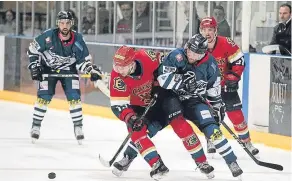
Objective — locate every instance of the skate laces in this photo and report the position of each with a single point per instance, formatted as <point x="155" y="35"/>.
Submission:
<point x="35" y="129"/>
<point x="203" y="165"/>
<point x="249" y="146"/>
<point x="234" y="166"/>
<point x="124" y="161"/>
<point x="78" y="130"/>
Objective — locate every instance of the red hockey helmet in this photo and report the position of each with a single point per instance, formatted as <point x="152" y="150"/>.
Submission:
<point x="124" y="56"/>
<point x="208" y="22"/>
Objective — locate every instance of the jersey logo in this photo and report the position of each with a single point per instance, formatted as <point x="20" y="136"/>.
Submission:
<point x="231" y="42"/>
<point x="179" y="57"/>
<point x="119" y="84"/>
<point x="151" y="54"/>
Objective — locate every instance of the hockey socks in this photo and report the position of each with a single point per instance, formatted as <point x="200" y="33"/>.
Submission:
<point x="145" y="146"/>
<point x="190" y="140"/>
<point x="239" y="124"/>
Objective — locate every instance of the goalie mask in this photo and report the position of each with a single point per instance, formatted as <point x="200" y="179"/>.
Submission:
<point x="208" y="28"/>
<point x="124" y="62"/>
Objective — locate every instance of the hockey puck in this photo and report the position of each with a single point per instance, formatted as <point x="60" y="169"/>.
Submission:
<point x="52" y="175"/>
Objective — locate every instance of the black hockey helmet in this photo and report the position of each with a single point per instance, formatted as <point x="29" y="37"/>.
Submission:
<point x="65" y="15"/>
<point x="197" y="44"/>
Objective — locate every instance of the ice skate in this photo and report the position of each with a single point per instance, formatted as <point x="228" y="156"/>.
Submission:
<point x="251" y="148"/>
<point x="35" y="133"/>
<point x="121" y="166"/>
<point x="235" y="169"/>
<point x="211" y="148"/>
<point x="79" y="134"/>
<point x="159" y="170"/>
<point x="206" y="169"/>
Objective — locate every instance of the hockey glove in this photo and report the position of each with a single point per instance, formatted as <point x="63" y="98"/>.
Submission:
<point x="219" y="109"/>
<point x="135" y="123"/>
<point x="231" y="82"/>
<point x="36" y="71"/>
<point x="94" y="71"/>
<point x="189" y="81"/>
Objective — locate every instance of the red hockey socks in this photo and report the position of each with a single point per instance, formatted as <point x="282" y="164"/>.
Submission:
<point x="145" y="146"/>
<point x="239" y="124"/>
<point x="190" y="140"/>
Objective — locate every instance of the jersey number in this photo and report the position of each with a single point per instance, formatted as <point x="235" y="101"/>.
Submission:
<point x="231" y="42"/>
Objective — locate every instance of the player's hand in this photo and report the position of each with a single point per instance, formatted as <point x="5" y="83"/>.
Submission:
<point x="189" y="80"/>
<point x="231" y="82"/>
<point x="219" y="109"/>
<point x="135" y="123"/>
<point x="36" y="71"/>
<point x="95" y="73"/>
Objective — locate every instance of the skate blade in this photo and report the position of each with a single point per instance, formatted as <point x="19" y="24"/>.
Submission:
<point x="117" y="172"/>
<point x="33" y="140"/>
<point x="79" y="142"/>
<point x="160" y="176"/>
<point x="210" y="175"/>
<point x="239" y="178"/>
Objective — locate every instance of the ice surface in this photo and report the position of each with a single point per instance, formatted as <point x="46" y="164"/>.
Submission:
<point x="58" y="151"/>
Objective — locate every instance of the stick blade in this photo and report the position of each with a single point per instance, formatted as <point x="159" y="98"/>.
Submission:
<point x="271" y="165"/>
<point x="104" y="162"/>
<point x="270" y="48"/>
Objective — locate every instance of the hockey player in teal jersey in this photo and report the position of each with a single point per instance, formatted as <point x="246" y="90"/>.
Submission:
<point x="60" y="51"/>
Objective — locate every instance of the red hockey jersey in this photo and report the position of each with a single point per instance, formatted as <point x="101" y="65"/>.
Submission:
<point x="228" y="56"/>
<point x="133" y="90"/>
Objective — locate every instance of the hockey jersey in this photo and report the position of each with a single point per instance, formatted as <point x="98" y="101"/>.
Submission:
<point x="228" y="56"/>
<point x="54" y="54"/>
<point x="175" y="64"/>
<point x="133" y="89"/>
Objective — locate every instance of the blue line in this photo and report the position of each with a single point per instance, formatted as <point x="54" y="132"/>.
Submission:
<point x="245" y="89"/>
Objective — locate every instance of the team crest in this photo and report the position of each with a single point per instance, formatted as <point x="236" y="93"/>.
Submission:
<point x="48" y="40"/>
<point x="179" y="57"/>
<point x="119" y="84"/>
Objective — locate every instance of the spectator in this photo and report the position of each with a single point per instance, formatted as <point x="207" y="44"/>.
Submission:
<point x="143" y="18"/>
<point x="9" y="25"/>
<point x="223" y="26"/>
<point x="88" y="23"/>
<point x="125" y="24"/>
<point x="282" y="32"/>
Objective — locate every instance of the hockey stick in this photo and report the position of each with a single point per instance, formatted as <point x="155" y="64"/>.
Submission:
<point x="109" y="163"/>
<point x="270" y="48"/>
<point x="261" y="163"/>
<point x="97" y="84"/>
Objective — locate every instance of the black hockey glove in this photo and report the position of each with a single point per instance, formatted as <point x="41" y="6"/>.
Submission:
<point x="36" y="71"/>
<point x="94" y="71"/>
<point x="135" y="123"/>
<point x="189" y="81"/>
<point x="219" y="109"/>
<point x="231" y="82"/>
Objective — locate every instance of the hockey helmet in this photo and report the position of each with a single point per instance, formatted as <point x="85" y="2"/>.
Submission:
<point x="208" y="22"/>
<point x="65" y="15"/>
<point x="197" y="44"/>
<point x="124" y="56"/>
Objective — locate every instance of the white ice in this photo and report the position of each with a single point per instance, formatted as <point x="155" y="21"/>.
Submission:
<point x="57" y="151"/>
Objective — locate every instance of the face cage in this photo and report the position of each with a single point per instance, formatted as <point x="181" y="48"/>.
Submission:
<point x="71" y="20"/>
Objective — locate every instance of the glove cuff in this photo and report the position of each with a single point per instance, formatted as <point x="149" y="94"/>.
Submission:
<point x="31" y="65"/>
<point x="129" y="116"/>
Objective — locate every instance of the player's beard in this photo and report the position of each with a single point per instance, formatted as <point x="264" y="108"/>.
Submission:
<point x="65" y="33"/>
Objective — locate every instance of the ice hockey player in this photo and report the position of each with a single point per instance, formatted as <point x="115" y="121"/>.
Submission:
<point x="59" y="51"/>
<point x="131" y="85"/>
<point x="231" y="63"/>
<point x="191" y="71"/>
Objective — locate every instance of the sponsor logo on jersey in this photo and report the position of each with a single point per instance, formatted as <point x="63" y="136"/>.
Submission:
<point x="48" y="40"/>
<point x="119" y="84"/>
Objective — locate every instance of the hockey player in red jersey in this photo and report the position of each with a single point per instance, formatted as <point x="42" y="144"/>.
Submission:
<point x="231" y="63"/>
<point x="131" y="87"/>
